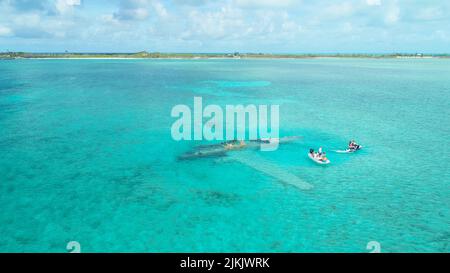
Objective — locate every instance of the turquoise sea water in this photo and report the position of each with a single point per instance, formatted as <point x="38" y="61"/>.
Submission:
<point x="86" y="155"/>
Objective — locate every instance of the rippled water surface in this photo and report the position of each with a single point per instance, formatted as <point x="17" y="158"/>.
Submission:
<point x="86" y="155"/>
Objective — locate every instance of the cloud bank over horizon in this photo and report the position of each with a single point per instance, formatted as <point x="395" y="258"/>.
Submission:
<point x="277" y="26"/>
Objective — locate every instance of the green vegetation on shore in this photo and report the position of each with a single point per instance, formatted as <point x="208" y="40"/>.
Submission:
<point x="158" y="55"/>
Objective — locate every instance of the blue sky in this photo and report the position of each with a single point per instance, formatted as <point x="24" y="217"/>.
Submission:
<point x="277" y="26"/>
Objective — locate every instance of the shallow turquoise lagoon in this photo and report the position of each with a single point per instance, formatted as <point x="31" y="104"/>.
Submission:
<point x="86" y="155"/>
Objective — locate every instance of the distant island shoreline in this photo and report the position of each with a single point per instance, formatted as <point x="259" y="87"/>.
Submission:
<point x="235" y="55"/>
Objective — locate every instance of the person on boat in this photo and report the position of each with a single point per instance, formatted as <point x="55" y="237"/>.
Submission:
<point x="229" y="146"/>
<point x="320" y="151"/>
<point x="324" y="157"/>
<point x="242" y="144"/>
<point x="350" y="145"/>
<point x="354" y="145"/>
<point x="311" y="152"/>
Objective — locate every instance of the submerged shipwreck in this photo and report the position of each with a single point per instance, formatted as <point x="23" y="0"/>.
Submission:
<point x="222" y="149"/>
<point x="240" y="151"/>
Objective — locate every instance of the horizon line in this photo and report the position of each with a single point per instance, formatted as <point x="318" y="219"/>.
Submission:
<point x="230" y="52"/>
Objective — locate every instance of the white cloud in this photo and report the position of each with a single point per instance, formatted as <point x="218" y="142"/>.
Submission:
<point x="5" y="31"/>
<point x="132" y="14"/>
<point x="196" y="25"/>
<point x="227" y="22"/>
<point x="65" y="6"/>
<point x="27" y="20"/>
<point x="347" y="27"/>
<point x="373" y="2"/>
<point x="73" y="2"/>
<point x="392" y="15"/>
<point x="133" y="10"/>
<point x="190" y="2"/>
<point x="339" y="10"/>
<point x="291" y="27"/>
<point x="441" y="34"/>
<point x="430" y="13"/>
<point x="240" y="28"/>
<point x="109" y="19"/>
<point x="161" y="11"/>
<point x="265" y="3"/>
